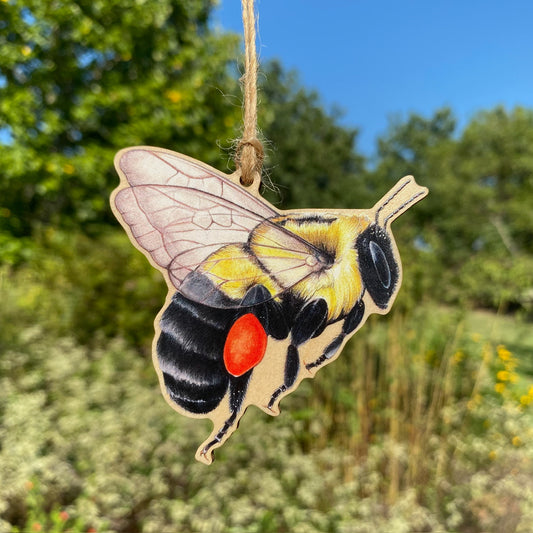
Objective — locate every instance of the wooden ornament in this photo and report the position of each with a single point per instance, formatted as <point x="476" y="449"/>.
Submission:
<point x="258" y="299"/>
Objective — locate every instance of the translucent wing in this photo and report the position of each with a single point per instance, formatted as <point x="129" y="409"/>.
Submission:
<point x="180" y="212"/>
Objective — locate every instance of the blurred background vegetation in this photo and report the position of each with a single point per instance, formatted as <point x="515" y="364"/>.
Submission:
<point x="424" y="422"/>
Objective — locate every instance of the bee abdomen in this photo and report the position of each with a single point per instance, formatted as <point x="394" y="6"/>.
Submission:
<point x="189" y="350"/>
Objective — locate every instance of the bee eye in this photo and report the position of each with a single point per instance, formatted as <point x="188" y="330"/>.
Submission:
<point x="380" y="264"/>
<point x="377" y="264"/>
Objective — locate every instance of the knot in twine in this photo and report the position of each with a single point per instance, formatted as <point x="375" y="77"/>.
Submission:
<point x="249" y="157"/>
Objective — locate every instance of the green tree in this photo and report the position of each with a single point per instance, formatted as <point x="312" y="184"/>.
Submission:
<point x="495" y="157"/>
<point x="310" y="156"/>
<point x="473" y="233"/>
<point x="496" y="151"/>
<point x="422" y="147"/>
<point x="81" y="79"/>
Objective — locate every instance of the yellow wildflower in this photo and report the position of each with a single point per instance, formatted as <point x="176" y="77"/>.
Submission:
<point x="517" y="441"/>
<point x="492" y="455"/>
<point x="526" y="399"/>
<point x="530" y="392"/>
<point x="458" y="356"/>
<point x="26" y="50"/>
<point x="503" y="375"/>
<point x="499" y="388"/>
<point x="503" y="353"/>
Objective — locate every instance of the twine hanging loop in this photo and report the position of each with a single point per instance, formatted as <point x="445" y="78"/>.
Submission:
<point x="249" y="153"/>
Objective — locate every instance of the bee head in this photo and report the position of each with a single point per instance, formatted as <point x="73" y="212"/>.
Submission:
<point x="379" y="261"/>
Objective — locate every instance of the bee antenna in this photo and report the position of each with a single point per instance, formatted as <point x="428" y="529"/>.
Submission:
<point x="390" y="198"/>
<point x="405" y="183"/>
<point x="405" y="204"/>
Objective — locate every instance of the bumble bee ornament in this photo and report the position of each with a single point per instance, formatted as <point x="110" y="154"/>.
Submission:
<point x="259" y="299"/>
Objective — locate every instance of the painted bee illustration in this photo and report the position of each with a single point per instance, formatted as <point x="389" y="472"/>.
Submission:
<point x="258" y="299"/>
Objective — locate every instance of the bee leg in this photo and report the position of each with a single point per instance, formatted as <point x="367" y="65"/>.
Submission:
<point x="268" y="311"/>
<point x="352" y="320"/>
<point x="292" y="366"/>
<point x="238" y="387"/>
<point x="309" y="323"/>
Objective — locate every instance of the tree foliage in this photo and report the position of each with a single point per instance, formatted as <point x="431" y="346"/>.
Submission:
<point x="81" y="79"/>
<point x="475" y="229"/>
<point x="311" y="158"/>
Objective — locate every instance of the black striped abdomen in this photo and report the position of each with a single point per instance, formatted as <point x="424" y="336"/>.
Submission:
<point x="190" y="353"/>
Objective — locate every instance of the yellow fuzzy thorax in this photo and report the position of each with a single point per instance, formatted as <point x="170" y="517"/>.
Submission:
<point x="340" y="285"/>
<point x="280" y="264"/>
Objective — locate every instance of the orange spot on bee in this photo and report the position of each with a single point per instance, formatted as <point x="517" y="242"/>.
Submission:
<point x="245" y="345"/>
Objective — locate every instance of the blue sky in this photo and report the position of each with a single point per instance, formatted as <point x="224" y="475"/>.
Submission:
<point x="382" y="59"/>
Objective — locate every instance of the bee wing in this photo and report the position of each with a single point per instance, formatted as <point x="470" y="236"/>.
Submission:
<point x="286" y="258"/>
<point x="180" y="211"/>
